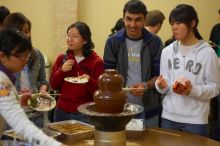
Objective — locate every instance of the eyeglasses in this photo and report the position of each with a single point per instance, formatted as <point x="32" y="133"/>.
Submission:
<point x="23" y="56"/>
<point x="71" y="36"/>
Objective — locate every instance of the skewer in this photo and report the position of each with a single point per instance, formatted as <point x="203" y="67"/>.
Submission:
<point x="45" y="94"/>
<point x="174" y="134"/>
<point x="128" y="89"/>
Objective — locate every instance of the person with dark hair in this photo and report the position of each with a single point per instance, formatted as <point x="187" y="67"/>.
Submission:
<point x="118" y="26"/>
<point x="78" y="61"/>
<point x="214" y="38"/>
<point x="190" y="75"/>
<point x="135" y="54"/>
<point x="154" y="21"/>
<point x="3" y="13"/>
<point x="32" y="79"/>
<point x="214" y="118"/>
<point x="15" y="50"/>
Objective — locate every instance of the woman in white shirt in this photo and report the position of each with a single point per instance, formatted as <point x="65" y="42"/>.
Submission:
<point x="15" y="50"/>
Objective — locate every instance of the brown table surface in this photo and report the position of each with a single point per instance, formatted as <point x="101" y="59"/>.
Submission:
<point x="161" y="137"/>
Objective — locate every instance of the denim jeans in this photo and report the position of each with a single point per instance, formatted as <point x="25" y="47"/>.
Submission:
<point x="38" y="120"/>
<point x="152" y="122"/>
<point x="199" y="129"/>
<point x="214" y="125"/>
<point x="149" y="122"/>
<point x="60" y="115"/>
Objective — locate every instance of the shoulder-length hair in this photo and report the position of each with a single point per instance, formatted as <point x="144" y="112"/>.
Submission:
<point x="86" y="34"/>
<point x="184" y="13"/>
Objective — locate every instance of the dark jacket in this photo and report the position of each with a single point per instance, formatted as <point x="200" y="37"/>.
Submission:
<point x="215" y="35"/>
<point x="116" y="57"/>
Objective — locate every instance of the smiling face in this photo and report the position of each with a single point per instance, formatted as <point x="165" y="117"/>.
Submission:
<point x="75" y="41"/>
<point x="134" y="24"/>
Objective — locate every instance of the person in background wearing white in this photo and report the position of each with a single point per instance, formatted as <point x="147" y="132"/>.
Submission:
<point x="189" y="75"/>
<point x="15" y="50"/>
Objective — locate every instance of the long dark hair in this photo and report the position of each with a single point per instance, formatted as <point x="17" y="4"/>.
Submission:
<point x="184" y="13"/>
<point x="11" y="40"/>
<point x="4" y="11"/>
<point x="118" y="26"/>
<point x="86" y="34"/>
<point x="18" y="20"/>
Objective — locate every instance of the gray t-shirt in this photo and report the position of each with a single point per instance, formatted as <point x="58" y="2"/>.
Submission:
<point x="134" y="67"/>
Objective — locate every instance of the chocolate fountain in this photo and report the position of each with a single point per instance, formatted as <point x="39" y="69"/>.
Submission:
<point x="110" y="113"/>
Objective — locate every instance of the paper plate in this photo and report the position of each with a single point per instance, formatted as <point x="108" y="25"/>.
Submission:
<point x="76" y="80"/>
<point x="42" y="103"/>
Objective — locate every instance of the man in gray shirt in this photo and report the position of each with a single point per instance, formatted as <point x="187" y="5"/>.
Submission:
<point x="135" y="53"/>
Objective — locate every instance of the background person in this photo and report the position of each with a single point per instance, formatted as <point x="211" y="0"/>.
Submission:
<point x="118" y="26"/>
<point x="214" y="116"/>
<point x="190" y="62"/>
<point x="154" y="21"/>
<point x="215" y="37"/>
<point x="4" y="11"/>
<point x="32" y="79"/>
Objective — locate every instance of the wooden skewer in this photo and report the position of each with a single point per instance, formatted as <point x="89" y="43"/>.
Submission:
<point x="127" y="89"/>
<point x="174" y="134"/>
<point x="45" y="94"/>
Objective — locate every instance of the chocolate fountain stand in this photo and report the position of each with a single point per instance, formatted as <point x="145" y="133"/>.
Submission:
<point x="110" y="128"/>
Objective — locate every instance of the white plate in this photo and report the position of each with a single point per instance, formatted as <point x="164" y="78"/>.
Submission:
<point x="76" y="80"/>
<point x="44" y="104"/>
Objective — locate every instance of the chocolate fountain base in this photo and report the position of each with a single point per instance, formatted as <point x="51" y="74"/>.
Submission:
<point x="110" y="127"/>
<point x="110" y="122"/>
<point x="102" y="138"/>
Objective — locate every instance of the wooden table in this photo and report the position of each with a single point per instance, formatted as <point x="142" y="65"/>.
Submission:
<point x="161" y="137"/>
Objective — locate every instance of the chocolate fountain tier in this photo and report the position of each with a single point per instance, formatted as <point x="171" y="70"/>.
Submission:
<point x="110" y="122"/>
<point x="110" y="98"/>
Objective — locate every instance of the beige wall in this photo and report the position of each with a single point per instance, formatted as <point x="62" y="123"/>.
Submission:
<point x="50" y="19"/>
<point x="100" y="15"/>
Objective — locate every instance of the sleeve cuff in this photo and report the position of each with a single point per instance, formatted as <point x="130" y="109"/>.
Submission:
<point x="194" y="91"/>
<point x="161" y="91"/>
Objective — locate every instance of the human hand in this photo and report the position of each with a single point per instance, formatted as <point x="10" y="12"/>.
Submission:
<point x="182" y="86"/>
<point x="137" y="89"/>
<point x="161" y="82"/>
<point x="67" y="66"/>
<point x="24" y="96"/>
<point x="84" y="76"/>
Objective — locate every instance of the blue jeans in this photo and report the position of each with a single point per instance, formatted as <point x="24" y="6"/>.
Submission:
<point x="149" y="122"/>
<point x="60" y="115"/>
<point x="214" y="125"/>
<point x="199" y="129"/>
<point x="152" y="122"/>
<point x="38" y="120"/>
